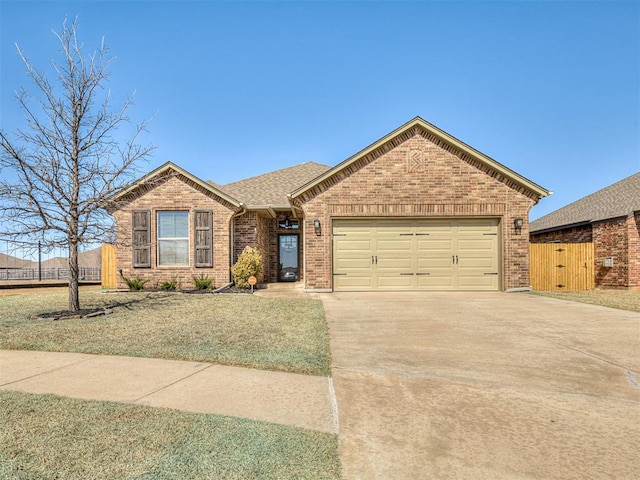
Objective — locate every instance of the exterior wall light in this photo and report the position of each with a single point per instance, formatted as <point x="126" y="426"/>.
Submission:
<point x="517" y="224"/>
<point x="317" y="227"/>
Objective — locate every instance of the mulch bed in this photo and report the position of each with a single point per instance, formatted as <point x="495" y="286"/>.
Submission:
<point x="234" y="289"/>
<point x="67" y="315"/>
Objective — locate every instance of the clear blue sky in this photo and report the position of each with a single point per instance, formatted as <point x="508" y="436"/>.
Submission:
<point x="549" y="89"/>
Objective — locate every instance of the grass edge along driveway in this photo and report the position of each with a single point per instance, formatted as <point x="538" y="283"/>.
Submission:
<point x="620" y="299"/>
<point x="46" y="436"/>
<point x="281" y="334"/>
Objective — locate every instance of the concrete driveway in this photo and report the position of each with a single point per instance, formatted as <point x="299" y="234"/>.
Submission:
<point x="484" y="386"/>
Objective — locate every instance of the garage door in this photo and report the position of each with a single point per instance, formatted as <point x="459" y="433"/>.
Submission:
<point x="449" y="254"/>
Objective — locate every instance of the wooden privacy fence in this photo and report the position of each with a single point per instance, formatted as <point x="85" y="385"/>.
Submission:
<point x="561" y="266"/>
<point x="109" y="274"/>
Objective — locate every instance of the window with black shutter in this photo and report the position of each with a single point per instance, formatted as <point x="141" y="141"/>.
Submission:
<point x="141" y="238"/>
<point x="204" y="238"/>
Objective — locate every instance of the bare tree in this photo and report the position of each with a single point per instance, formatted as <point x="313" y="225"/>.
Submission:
<point x="57" y="172"/>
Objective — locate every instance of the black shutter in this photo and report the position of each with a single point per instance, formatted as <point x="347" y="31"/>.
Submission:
<point x="204" y="238"/>
<point x="141" y="238"/>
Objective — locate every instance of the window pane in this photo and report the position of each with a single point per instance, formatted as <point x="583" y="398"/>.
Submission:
<point x="173" y="224"/>
<point x="173" y="252"/>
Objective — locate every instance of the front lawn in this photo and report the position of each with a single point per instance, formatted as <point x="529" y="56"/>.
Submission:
<point x="244" y="330"/>
<point x="46" y="436"/>
<point x="620" y="299"/>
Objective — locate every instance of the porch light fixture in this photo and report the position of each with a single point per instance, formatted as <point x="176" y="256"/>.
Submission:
<point x="287" y="222"/>
<point x="317" y="227"/>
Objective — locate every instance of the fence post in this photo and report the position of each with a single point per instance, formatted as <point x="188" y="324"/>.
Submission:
<point x="39" y="261"/>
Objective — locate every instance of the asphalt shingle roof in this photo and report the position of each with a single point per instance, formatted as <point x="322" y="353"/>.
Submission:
<point x="617" y="200"/>
<point x="271" y="189"/>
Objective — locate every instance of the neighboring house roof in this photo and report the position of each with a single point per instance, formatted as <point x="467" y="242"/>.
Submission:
<point x="409" y="129"/>
<point x="617" y="200"/>
<point x="164" y="170"/>
<point x="270" y="190"/>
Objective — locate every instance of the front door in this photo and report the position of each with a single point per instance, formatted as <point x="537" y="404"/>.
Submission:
<point x="288" y="258"/>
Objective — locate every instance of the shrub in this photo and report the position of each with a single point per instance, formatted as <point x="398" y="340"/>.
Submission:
<point x="135" y="284"/>
<point x="203" y="282"/>
<point x="249" y="263"/>
<point x="169" y="286"/>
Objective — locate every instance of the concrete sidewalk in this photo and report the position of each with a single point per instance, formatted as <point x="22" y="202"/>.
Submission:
<point x="292" y="399"/>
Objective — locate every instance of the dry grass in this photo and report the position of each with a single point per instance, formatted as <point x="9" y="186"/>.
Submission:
<point x="45" y="436"/>
<point x="245" y="330"/>
<point x="620" y="299"/>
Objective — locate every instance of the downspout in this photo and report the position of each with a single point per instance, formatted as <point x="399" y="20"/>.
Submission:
<point x="295" y="209"/>
<point x="232" y="231"/>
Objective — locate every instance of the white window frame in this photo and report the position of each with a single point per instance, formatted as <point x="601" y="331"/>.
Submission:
<point x="162" y="239"/>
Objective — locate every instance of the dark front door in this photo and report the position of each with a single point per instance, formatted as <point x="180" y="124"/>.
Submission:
<point x="288" y="258"/>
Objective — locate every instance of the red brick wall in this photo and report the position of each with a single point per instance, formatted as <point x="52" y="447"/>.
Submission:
<point x="580" y="234"/>
<point x="174" y="193"/>
<point x="416" y="178"/>
<point x="610" y="240"/>
<point x="252" y="230"/>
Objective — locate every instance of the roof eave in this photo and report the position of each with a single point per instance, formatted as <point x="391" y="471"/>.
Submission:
<point x="560" y="227"/>
<point x="582" y="223"/>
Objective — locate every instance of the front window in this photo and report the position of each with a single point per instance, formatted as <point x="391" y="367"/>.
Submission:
<point x="173" y="239"/>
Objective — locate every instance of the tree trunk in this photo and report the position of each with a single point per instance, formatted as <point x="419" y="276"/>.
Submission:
<point x="74" y="274"/>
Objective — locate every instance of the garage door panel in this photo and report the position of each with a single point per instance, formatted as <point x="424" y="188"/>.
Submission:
<point x="363" y="264"/>
<point x="476" y="266"/>
<point x="477" y="225"/>
<point x="435" y="244"/>
<point x="402" y="246"/>
<point x="472" y="245"/>
<point x="435" y="282"/>
<point x="398" y="282"/>
<point x="484" y="282"/>
<point x="363" y="245"/>
<point x="352" y="282"/>
<point x="434" y="226"/>
<point x="429" y="264"/>
<point x="399" y="264"/>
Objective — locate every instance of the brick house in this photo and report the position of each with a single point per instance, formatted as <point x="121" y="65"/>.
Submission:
<point x="610" y="219"/>
<point x="416" y="210"/>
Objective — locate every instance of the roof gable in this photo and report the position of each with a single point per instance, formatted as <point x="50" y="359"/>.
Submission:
<point x="617" y="200"/>
<point x="160" y="174"/>
<point x="419" y="126"/>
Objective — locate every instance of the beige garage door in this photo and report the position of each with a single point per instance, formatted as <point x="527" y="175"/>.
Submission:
<point x="386" y="254"/>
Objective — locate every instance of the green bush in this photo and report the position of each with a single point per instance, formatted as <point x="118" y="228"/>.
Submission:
<point x="203" y="282"/>
<point x="169" y="286"/>
<point x="135" y="284"/>
<point x="249" y="263"/>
